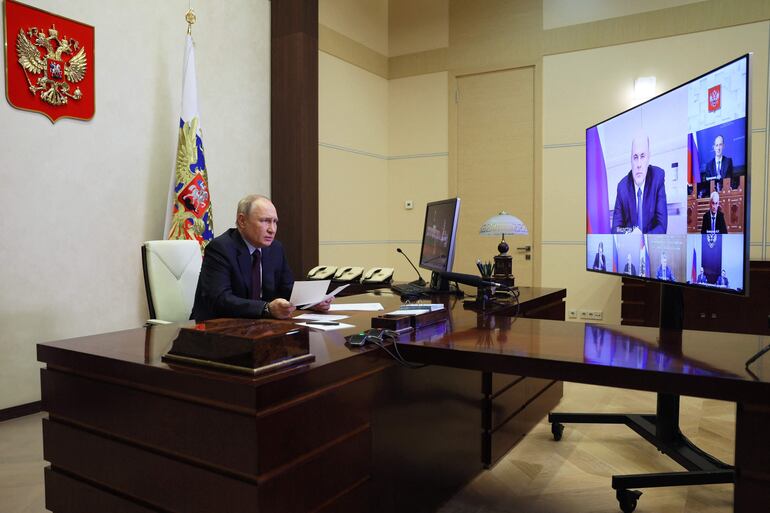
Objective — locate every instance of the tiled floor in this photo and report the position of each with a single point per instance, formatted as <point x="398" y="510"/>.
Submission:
<point x="538" y="476"/>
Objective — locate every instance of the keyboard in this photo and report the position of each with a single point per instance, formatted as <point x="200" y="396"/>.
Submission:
<point x="409" y="289"/>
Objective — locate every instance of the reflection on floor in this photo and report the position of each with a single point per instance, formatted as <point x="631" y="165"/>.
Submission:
<point x="537" y="476"/>
<point x="574" y="475"/>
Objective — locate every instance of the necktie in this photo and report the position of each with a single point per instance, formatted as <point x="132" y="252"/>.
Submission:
<point x="713" y="222"/>
<point x="639" y="208"/>
<point x="256" y="274"/>
<point x="719" y="169"/>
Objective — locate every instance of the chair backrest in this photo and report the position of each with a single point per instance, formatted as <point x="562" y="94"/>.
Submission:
<point x="171" y="269"/>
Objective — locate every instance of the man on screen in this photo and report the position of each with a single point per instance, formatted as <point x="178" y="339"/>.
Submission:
<point x="664" y="271"/>
<point x="600" y="263"/>
<point x="630" y="268"/>
<point x="640" y="203"/>
<point x="701" y="277"/>
<point x="720" y="166"/>
<point x="722" y="281"/>
<point x="714" y="219"/>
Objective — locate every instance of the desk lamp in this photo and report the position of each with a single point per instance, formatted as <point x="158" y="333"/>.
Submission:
<point x="503" y="224"/>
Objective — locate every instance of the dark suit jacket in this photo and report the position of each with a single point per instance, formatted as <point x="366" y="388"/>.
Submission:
<point x="721" y="227"/>
<point x="722" y="281"/>
<point x="668" y="275"/>
<point x="655" y="213"/>
<point x="631" y="271"/>
<point x="224" y="285"/>
<point x="701" y="278"/>
<point x="725" y="172"/>
<point x="600" y="262"/>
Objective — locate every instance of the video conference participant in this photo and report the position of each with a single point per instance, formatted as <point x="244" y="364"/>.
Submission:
<point x="722" y="280"/>
<point x="664" y="271"/>
<point x="629" y="268"/>
<point x="714" y="219"/>
<point x="600" y="263"/>
<point x="640" y="203"/>
<point x="245" y="272"/>
<point x="720" y="166"/>
<point x="701" y="276"/>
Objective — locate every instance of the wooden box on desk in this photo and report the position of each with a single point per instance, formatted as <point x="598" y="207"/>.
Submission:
<point x="407" y="320"/>
<point x="242" y="345"/>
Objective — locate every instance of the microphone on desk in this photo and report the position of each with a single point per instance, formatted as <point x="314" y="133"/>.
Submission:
<point x="419" y="280"/>
<point x="469" y="279"/>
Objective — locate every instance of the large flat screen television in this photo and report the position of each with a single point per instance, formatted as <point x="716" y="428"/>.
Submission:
<point x="667" y="185"/>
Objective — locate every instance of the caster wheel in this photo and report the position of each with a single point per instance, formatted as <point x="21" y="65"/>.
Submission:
<point x="557" y="430"/>
<point x="627" y="499"/>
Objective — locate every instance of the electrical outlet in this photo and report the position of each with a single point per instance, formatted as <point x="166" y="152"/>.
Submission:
<point x="595" y="315"/>
<point x="572" y="314"/>
<point x="583" y="314"/>
<point x="408" y="204"/>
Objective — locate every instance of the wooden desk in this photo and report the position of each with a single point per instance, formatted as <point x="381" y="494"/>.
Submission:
<point x="127" y="432"/>
<point x="350" y="432"/>
<point x="705" y="364"/>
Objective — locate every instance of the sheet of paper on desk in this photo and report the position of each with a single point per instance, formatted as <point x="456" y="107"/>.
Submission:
<point x="356" y="307"/>
<point x="321" y="317"/>
<point x="326" y="327"/>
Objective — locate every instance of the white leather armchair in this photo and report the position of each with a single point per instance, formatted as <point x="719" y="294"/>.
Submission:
<point x="171" y="269"/>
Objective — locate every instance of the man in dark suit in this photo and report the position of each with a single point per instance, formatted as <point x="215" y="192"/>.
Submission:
<point x="717" y="168"/>
<point x="664" y="271"/>
<point x="640" y="203"/>
<point x="720" y="166"/>
<point x="722" y="280"/>
<point x="701" y="277"/>
<point x="600" y="263"/>
<point x="629" y="268"/>
<point x="714" y="219"/>
<point x="245" y="272"/>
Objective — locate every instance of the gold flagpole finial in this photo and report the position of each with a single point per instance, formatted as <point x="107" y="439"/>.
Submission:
<point x="190" y="18"/>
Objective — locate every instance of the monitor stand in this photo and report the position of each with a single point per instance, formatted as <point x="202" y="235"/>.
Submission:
<point x="440" y="285"/>
<point x="662" y="429"/>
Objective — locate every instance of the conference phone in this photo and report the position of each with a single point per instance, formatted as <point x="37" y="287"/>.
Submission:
<point x="378" y="275"/>
<point x="322" y="272"/>
<point x="348" y="273"/>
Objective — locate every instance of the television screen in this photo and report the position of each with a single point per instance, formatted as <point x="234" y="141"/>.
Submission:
<point x="667" y="185"/>
<point x="438" y="235"/>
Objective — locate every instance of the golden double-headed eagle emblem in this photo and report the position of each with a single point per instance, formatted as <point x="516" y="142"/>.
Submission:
<point x="58" y="67"/>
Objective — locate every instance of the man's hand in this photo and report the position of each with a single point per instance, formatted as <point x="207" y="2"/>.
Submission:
<point x="323" y="306"/>
<point x="281" y="309"/>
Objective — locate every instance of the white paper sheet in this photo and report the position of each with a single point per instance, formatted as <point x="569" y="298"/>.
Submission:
<point x="326" y="327"/>
<point x="356" y="307"/>
<point x="321" y="317"/>
<point x="310" y="291"/>
<point x="306" y="294"/>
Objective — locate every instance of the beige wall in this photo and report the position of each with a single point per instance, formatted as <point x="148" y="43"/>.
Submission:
<point x="585" y="87"/>
<point x="381" y="142"/>
<point x="79" y="198"/>
<point x="561" y="13"/>
<point x="663" y="37"/>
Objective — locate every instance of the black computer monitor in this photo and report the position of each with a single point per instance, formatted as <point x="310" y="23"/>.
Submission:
<point x="667" y="185"/>
<point x="438" y="238"/>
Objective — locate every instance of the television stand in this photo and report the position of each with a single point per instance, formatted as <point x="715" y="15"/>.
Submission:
<point x="661" y="429"/>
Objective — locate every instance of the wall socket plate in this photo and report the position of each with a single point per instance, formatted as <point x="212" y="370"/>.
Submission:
<point x="408" y="205"/>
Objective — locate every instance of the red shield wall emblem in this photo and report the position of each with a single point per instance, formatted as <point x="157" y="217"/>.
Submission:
<point x="715" y="98"/>
<point x="49" y="63"/>
<point x="195" y="197"/>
